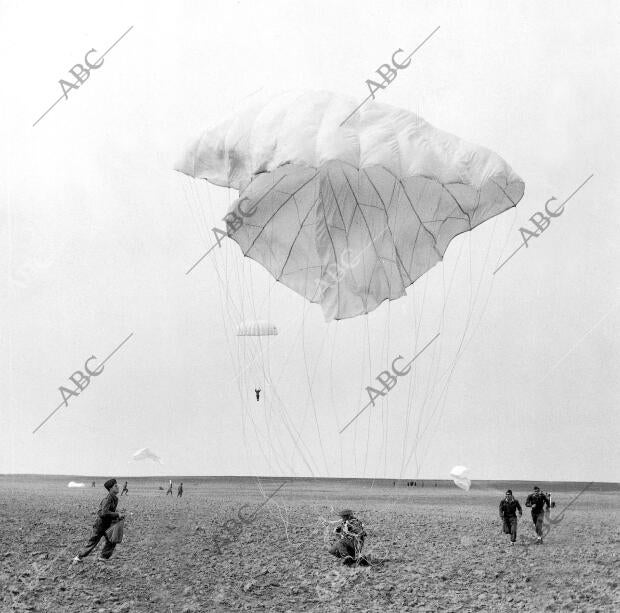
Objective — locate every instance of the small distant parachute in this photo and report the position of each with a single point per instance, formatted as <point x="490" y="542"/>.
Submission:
<point x="75" y="484"/>
<point x="460" y="478"/>
<point x="146" y="454"/>
<point x="257" y="328"/>
<point x="253" y="348"/>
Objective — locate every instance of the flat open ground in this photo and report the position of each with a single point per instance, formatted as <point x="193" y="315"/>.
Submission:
<point x="438" y="549"/>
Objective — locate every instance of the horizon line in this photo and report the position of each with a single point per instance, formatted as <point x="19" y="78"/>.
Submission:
<point x="277" y="477"/>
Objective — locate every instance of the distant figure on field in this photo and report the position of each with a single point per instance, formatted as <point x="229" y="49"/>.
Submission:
<point x="180" y="491"/>
<point x="93" y="484"/>
<point x="350" y="534"/>
<point x="537" y="500"/>
<point x="508" y="508"/>
<point x="169" y="490"/>
<point x="257" y="392"/>
<point x="125" y="490"/>
<point x="106" y="516"/>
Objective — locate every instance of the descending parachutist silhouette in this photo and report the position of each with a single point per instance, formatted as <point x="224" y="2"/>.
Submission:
<point x="257" y="392"/>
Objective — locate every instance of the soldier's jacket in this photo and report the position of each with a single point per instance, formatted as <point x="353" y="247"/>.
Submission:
<point x="509" y="509"/>
<point x="350" y="529"/>
<point x="537" y="502"/>
<point x="106" y="513"/>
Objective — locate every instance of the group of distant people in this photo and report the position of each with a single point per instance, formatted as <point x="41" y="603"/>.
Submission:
<point x="179" y="489"/>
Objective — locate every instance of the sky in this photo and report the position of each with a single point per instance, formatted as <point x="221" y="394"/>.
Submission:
<point x="97" y="232"/>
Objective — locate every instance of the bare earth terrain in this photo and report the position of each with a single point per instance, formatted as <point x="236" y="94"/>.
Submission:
<point x="436" y="549"/>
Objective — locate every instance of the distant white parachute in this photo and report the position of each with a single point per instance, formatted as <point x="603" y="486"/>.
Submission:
<point x="146" y="454"/>
<point x="460" y="478"/>
<point x="257" y="328"/>
<point x="75" y="484"/>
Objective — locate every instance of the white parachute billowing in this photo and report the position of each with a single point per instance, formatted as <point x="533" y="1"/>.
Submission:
<point x="146" y="454"/>
<point x="350" y="213"/>
<point x="75" y="484"/>
<point x="460" y="478"/>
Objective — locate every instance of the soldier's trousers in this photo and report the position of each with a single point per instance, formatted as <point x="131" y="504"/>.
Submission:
<point x="510" y="527"/>
<point x="538" y="518"/>
<point x="93" y="541"/>
<point x="345" y="549"/>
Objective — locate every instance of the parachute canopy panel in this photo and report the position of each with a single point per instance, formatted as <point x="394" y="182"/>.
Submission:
<point x="349" y="215"/>
<point x="257" y="328"/>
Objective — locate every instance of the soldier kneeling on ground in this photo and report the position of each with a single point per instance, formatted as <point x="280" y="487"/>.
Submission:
<point x="350" y="534"/>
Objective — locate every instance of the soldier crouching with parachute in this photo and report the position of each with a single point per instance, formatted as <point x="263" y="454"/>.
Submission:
<point x="350" y="534"/>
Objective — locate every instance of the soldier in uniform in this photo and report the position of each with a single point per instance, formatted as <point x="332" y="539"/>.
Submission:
<point x="180" y="491"/>
<point x="537" y="500"/>
<point x="350" y="539"/>
<point x="106" y="515"/>
<point x="125" y="489"/>
<point x="508" y="508"/>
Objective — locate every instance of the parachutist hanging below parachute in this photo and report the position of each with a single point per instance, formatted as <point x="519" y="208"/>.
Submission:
<point x="257" y="392"/>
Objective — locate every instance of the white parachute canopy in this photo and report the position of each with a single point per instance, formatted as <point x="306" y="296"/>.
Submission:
<point x="460" y="478"/>
<point x="75" y="484"/>
<point x="345" y="209"/>
<point x="257" y="328"/>
<point x="146" y="454"/>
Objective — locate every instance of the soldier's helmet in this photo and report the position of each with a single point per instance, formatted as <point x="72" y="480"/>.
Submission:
<point x="346" y="513"/>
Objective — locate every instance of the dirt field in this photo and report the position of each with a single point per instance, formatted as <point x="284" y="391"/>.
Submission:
<point x="437" y="549"/>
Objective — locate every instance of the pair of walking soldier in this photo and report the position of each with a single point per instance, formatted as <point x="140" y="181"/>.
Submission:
<point x="106" y="516"/>
<point x="509" y="507"/>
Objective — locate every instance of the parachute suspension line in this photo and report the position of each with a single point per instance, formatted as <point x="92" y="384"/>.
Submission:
<point x="331" y="383"/>
<point x="417" y="322"/>
<point x="463" y="343"/>
<point x="430" y="379"/>
<point x="435" y="359"/>
<point x="232" y="310"/>
<point x="368" y="430"/>
<point x="242" y="351"/>
<point x="288" y="427"/>
<point x="310" y="381"/>
<point x="197" y="210"/>
<point x="285" y="417"/>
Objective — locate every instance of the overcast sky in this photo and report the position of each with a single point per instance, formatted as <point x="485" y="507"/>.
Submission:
<point x="98" y="230"/>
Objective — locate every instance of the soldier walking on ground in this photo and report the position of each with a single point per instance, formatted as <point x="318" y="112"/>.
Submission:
<point x="106" y="516"/>
<point x="169" y="490"/>
<point x="508" y="508"/>
<point x="180" y="491"/>
<point x="537" y="500"/>
<point x="125" y="489"/>
<point x="351" y="534"/>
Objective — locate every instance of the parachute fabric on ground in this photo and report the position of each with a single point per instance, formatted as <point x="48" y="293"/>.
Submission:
<point x="74" y="484"/>
<point x="460" y="478"/>
<point x="146" y="454"/>
<point x="387" y="190"/>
